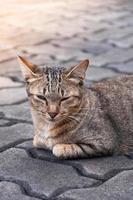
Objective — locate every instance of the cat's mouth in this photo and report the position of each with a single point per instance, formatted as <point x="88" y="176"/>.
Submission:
<point x="58" y="118"/>
<point x="55" y="119"/>
<point x="49" y="119"/>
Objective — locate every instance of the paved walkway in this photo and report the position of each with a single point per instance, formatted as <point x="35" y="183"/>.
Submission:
<point x="60" y="32"/>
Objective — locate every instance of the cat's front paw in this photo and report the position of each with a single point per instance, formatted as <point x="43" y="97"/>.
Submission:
<point x="59" y="151"/>
<point x="66" y="150"/>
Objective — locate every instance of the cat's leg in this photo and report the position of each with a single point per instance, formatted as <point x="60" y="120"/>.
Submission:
<point x="38" y="142"/>
<point x="80" y="150"/>
<point x="68" y="151"/>
<point x="97" y="148"/>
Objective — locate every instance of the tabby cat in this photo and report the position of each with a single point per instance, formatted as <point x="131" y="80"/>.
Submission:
<point x="73" y="120"/>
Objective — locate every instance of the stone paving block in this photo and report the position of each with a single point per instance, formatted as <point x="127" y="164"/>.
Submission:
<point x="44" y="58"/>
<point x="9" y="66"/>
<point x="26" y="145"/>
<point x="7" y="82"/>
<point x="70" y="54"/>
<point x="45" y="49"/>
<point x="17" y="76"/>
<point x="14" y="30"/>
<point x="50" y="51"/>
<point x="101" y="168"/>
<point x="3" y="122"/>
<point x="123" y="43"/>
<point x="12" y="96"/>
<point x="119" y="187"/>
<point x="113" y="56"/>
<point x="83" y="45"/>
<point x="125" y="21"/>
<point x="112" y="32"/>
<point x="122" y="67"/>
<point x="96" y="48"/>
<point x="104" y="167"/>
<point x="18" y="112"/>
<point x="92" y="27"/>
<point x="15" y="134"/>
<point x="44" y="178"/>
<point x="23" y="39"/>
<point x="39" y="153"/>
<point x="106" y="16"/>
<point x="12" y="191"/>
<point x="7" y="55"/>
<point x="97" y="73"/>
<point x="67" y="30"/>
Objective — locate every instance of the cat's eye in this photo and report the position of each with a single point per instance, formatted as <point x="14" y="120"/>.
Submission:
<point x="41" y="97"/>
<point x="65" y="98"/>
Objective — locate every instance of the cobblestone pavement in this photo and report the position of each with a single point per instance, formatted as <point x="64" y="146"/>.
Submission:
<point x="60" y="32"/>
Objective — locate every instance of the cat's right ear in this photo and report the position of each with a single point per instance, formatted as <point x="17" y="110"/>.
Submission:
<point x="77" y="73"/>
<point x="28" y="69"/>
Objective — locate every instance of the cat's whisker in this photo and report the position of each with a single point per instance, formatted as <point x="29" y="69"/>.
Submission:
<point x="42" y="113"/>
<point x="69" y="117"/>
<point x="73" y="118"/>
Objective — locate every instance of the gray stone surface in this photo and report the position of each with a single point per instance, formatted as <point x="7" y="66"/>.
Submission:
<point x="12" y="96"/>
<point x="98" y="74"/>
<point x="12" y="191"/>
<point x="6" y="55"/>
<point x="26" y="145"/>
<point x="123" y="43"/>
<point x="14" y="134"/>
<point x="119" y="187"/>
<point x="103" y="168"/>
<point x="123" y="67"/>
<point x="8" y="66"/>
<point x="43" y="177"/>
<point x="100" y="168"/>
<point x="18" y="112"/>
<point x="88" y="47"/>
<point x="56" y="33"/>
<point x="114" y="56"/>
<point x="7" y="82"/>
<point x="3" y="122"/>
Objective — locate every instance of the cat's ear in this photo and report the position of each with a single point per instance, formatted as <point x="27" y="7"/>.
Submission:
<point x="78" y="72"/>
<point x="28" y="69"/>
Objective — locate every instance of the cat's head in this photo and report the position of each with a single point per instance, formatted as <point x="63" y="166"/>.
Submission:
<point x="55" y="93"/>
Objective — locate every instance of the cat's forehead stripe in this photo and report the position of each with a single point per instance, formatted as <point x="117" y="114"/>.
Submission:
<point x="54" y="78"/>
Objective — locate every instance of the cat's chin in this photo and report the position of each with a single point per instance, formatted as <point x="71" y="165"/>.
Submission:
<point x="52" y="120"/>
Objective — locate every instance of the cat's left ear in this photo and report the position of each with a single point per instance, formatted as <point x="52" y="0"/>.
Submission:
<point x="28" y="69"/>
<point x="78" y="71"/>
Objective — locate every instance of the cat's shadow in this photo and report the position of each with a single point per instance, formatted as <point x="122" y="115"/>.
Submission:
<point x="48" y="156"/>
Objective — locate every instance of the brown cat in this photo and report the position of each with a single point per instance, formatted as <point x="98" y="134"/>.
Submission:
<point x="78" y="121"/>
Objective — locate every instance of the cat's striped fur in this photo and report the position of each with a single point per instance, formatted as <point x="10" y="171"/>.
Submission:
<point x="75" y="121"/>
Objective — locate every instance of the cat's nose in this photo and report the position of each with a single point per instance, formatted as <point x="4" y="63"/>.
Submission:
<point x="52" y="114"/>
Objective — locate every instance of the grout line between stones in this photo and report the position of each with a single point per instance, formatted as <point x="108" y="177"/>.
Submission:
<point x="13" y="144"/>
<point x="24" y="186"/>
<point x="59" y="191"/>
<point x="96" y="184"/>
<point x="16" y="103"/>
<point x="13" y="121"/>
<point x="76" y="167"/>
<point x="79" y="170"/>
